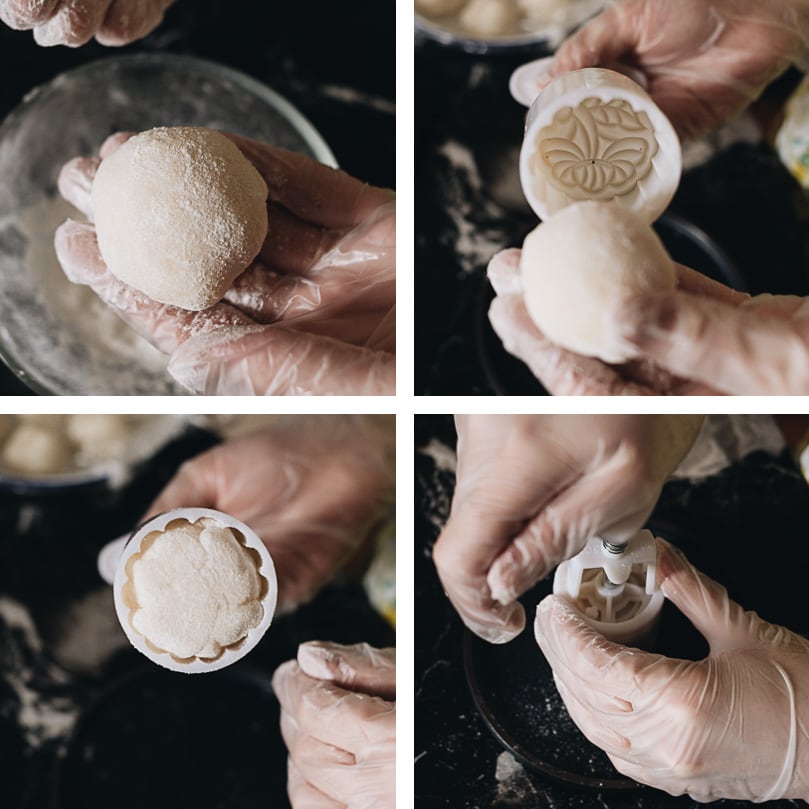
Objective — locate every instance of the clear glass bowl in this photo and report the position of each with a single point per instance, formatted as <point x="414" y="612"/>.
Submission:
<point x="56" y="336"/>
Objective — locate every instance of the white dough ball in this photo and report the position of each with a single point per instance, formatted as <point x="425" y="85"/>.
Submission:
<point x="52" y="420"/>
<point x="180" y="212"/>
<point x="439" y="8"/>
<point x="34" y="449"/>
<point x="580" y="264"/>
<point x="543" y="11"/>
<point x="490" y="17"/>
<point x="98" y="436"/>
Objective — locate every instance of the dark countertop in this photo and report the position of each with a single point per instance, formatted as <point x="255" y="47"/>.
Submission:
<point x="750" y="510"/>
<point x="66" y="668"/>
<point x="469" y="205"/>
<point x="335" y="63"/>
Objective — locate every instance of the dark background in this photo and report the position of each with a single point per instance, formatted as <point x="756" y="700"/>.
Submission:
<point x="308" y="52"/>
<point x="744" y="199"/>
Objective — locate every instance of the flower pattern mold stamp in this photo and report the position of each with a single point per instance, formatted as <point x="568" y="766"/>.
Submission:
<point x="594" y="134"/>
<point x="596" y="150"/>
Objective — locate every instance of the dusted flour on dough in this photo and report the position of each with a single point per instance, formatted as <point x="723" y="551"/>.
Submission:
<point x="581" y="264"/>
<point x="196" y="589"/>
<point x="180" y="213"/>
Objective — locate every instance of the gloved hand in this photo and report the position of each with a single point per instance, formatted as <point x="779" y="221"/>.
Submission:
<point x="530" y="492"/>
<point x="75" y="22"/>
<point x="313" y="314"/>
<point x="338" y="719"/>
<point x="314" y="488"/>
<point x="730" y="726"/>
<point x="652" y="373"/>
<point x="733" y="343"/>
<point x="704" y="60"/>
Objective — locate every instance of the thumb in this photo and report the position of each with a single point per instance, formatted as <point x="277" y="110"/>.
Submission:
<point x="702" y="600"/>
<point x="358" y="667"/>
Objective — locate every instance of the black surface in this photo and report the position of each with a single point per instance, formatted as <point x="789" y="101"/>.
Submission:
<point x="335" y="62"/>
<point x="130" y="711"/>
<point x="156" y="739"/>
<point x="743" y="198"/>
<point x="749" y="507"/>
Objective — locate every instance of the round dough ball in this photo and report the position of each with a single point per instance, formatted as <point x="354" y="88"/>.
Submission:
<point x="580" y="265"/>
<point x="490" y="18"/>
<point x="98" y="435"/>
<point x="179" y="212"/>
<point x="544" y="11"/>
<point x="34" y="449"/>
<point x="439" y="8"/>
<point x="52" y="420"/>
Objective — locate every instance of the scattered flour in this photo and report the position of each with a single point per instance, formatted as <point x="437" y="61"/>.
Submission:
<point x="514" y="786"/>
<point x="40" y="716"/>
<point x="469" y="208"/>
<point x="438" y="489"/>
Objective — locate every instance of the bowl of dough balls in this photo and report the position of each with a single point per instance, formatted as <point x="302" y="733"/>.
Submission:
<point x="41" y="452"/>
<point x="58" y="337"/>
<point x="482" y="26"/>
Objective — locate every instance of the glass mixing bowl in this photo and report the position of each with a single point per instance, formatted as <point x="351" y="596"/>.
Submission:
<point x="56" y="336"/>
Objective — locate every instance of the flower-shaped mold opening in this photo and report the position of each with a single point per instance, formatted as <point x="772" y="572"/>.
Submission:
<point x="194" y="590"/>
<point x="601" y="602"/>
<point x="598" y="150"/>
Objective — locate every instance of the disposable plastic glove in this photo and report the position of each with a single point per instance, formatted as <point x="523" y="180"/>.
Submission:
<point x="313" y="314"/>
<point x="338" y="719"/>
<point x="567" y="374"/>
<point x="75" y="22"/>
<point x="314" y="488"/>
<point x="731" y="726"/>
<point x="704" y="60"/>
<point x="530" y="492"/>
<point x="736" y="344"/>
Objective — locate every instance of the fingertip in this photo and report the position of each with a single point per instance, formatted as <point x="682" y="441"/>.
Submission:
<point x="318" y="660"/>
<point x="668" y="560"/>
<point x="513" y="573"/>
<point x="510" y="623"/>
<point x="114" y="142"/>
<point x="75" y="183"/>
<point x="503" y="272"/>
<point x="24" y="14"/>
<point x="283" y="674"/>
<point x="554" y="611"/>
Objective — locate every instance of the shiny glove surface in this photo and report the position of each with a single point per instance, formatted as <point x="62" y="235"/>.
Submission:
<point x="730" y="726"/>
<point x="530" y="492"/>
<point x="338" y="720"/>
<point x="313" y="314"/>
<point x="704" y="60"/>
<point x="314" y="488"/>
<point x="704" y="339"/>
<point x="76" y="22"/>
